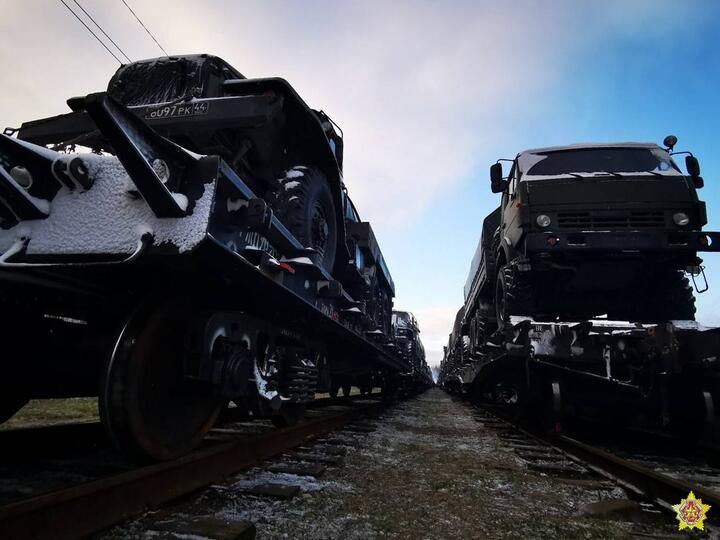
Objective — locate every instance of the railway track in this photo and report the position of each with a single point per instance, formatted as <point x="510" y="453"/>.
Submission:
<point x="88" y="493"/>
<point x="657" y="484"/>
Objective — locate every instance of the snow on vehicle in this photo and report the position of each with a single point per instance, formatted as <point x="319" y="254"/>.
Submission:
<point x="579" y="299"/>
<point x="185" y="239"/>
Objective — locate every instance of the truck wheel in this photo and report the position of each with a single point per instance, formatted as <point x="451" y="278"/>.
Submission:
<point x="305" y="206"/>
<point x="677" y="301"/>
<point x="668" y="297"/>
<point x="465" y="350"/>
<point x="512" y="296"/>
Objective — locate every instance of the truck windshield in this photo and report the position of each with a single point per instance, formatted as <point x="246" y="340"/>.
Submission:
<point x="401" y="319"/>
<point x="592" y="160"/>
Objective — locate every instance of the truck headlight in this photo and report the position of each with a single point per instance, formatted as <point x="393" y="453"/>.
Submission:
<point x="681" y="219"/>
<point x="543" y="221"/>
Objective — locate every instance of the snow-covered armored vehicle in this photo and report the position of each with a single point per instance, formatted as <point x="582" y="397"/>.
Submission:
<point x="185" y="238"/>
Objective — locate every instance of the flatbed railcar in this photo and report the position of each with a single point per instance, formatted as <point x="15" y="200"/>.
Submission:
<point x="662" y="377"/>
<point x="181" y="241"/>
<point x="579" y="301"/>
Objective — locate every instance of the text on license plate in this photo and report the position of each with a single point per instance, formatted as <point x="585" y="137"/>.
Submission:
<point x="177" y="110"/>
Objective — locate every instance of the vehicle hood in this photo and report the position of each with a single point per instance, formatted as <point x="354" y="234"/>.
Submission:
<point x="608" y="189"/>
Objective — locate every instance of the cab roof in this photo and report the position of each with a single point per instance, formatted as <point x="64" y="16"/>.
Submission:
<point x="588" y="145"/>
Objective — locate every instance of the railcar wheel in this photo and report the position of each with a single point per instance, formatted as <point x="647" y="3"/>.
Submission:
<point x="148" y="408"/>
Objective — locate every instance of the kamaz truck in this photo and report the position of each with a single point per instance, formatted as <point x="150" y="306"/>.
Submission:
<point x="580" y="295"/>
<point x="590" y="230"/>
<point x="406" y="332"/>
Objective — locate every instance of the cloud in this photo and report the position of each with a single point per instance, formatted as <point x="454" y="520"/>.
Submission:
<point x="418" y="87"/>
<point x="424" y="91"/>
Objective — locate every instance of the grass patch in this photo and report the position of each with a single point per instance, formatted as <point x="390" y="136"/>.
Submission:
<point x="43" y="412"/>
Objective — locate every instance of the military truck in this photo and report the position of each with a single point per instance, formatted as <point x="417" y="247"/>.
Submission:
<point x="588" y="230"/>
<point x="288" y="154"/>
<point x="406" y="332"/>
<point x="579" y="301"/>
<point x="182" y="240"/>
<point x="455" y="354"/>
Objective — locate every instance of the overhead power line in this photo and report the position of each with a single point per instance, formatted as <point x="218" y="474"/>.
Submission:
<point x="145" y="27"/>
<point x="103" y="31"/>
<point x="90" y="30"/>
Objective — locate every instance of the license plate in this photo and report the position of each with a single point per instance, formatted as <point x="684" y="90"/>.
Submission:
<point x="178" y="110"/>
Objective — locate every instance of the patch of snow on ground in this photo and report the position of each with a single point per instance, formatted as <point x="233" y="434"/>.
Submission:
<point x="259" y="477"/>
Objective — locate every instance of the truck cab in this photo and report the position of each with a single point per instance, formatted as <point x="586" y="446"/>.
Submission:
<point x="597" y="229"/>
<point x="406" y="332"/>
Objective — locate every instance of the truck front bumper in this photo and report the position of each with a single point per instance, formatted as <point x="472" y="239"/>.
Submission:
<point x="622" y="241"/>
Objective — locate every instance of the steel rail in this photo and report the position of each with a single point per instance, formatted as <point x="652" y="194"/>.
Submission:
<point x="86" y="508"/>
<point x="663" y="489"/>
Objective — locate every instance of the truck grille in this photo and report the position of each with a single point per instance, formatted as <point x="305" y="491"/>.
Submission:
<point x="630" y="220"/>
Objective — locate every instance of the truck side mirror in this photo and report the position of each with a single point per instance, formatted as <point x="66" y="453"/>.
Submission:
<point x="693" y="168"/>
<point x="692" y="165"/>
<point x="497" y="184"/>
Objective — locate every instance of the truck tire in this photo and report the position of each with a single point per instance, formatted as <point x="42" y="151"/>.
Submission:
<point x="465" y="350"/>
<point x="676" y="301"/>
<point x="668" y="297"/>
<point x="512" y="295"/>
<point x="381" y="310"/>
<point x="305" y="206"/>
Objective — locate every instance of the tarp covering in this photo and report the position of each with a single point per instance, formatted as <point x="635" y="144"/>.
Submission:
<point x="490" y="224"/>
<point x="161" y="80"/>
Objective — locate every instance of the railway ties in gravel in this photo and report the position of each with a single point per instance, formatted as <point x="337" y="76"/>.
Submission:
<point x="280" y="479"/>
<point x="576" y="462"/>
<point x="90" y="506"/>
<point x="428" y="470"/>
<point x="285" y="477"/>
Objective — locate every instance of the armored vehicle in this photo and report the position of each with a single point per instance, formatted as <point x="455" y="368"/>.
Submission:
<point x="182" y="240"/>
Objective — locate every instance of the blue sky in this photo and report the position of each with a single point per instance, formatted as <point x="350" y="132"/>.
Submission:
<point x="638" y="86"/>
<point x="427" y="93"/>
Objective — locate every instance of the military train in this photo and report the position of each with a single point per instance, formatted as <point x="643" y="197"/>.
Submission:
<point x="579" y="302"/>
<point x="182" y="240"/>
